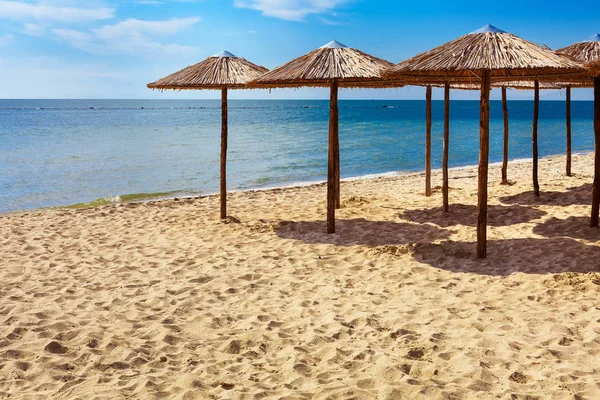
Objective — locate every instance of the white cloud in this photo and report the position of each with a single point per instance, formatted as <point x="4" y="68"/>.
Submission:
<point x="78" y="39"/>
<point x="131" y="36"/>
<point x="34" y="30"/>
<point x="290" y="10"/>
<point x="328" y="21"/>
<point x="136" y="27"/>
<point x="161" y="2"/>
<point x="5" y="40"/>
<point x="17" y="10"/>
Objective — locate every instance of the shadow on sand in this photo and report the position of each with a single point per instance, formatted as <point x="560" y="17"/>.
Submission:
<point x="532" y="256"/>
<point x="353" y="232"/>
<point x="573" y="227"/>
<point x="578" y="195"/>
<point x="462" y="214"/>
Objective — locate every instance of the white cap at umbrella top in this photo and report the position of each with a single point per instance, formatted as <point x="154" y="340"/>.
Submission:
<point x="489" y="28"/>
<point x="224" y="54"/>
<point x="334" y="44"/>
<point x="594" y="38"/>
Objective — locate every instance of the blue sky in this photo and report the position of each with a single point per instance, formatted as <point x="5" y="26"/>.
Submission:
<point x="112" y="48"/>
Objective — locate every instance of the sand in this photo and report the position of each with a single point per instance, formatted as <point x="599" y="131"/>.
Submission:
<point x="163" y="300"/>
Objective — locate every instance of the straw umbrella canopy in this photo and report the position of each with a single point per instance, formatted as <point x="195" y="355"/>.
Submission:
<point x="222" y="71"/>
<point x="480" y="57"/>
<point x="588" y="52"/>
<point x="333" y="65"/>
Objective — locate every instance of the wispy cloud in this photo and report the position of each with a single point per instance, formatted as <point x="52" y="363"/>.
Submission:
<point x="328" y="21"/>
<point x="5" y="40"/>
<point x="21" y="11"/>
<point x="33" y="30"/>
<point x="290" y="10"/>
<point x="132" y="36"/>
<point x="136" y="27"/>
<point x="156" y="2"/>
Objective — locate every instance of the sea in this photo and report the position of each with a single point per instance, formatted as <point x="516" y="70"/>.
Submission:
<point x="90" y="152"/>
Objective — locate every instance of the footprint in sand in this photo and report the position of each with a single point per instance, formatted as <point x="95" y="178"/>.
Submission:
<point x="56" y="348"/>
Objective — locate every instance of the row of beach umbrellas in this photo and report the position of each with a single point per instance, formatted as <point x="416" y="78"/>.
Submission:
<point x="486" y="58"/>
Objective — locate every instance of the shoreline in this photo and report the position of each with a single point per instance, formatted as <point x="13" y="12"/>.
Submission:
<point x="111" y="200"/>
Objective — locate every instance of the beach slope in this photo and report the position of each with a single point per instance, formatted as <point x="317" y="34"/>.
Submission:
<point x="163" y="300"/>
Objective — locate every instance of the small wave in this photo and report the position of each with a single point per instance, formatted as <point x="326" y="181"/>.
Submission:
<point x="125" y="198"/>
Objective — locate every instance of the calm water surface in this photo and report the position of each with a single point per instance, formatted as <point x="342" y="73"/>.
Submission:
<point x="62" y="152"/>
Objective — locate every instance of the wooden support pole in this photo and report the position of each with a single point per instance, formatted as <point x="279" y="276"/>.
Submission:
<point x="428" y="141"/>
<point x="484" y="151"/>
<point x="446" y="144"/>
<point x="596" y="185"/>
<point x="332" y="170"/>
<point x="223" y="152"/>
<point x="338" y="192"/>
<point x="568" y="120"/>
<point x="505" y="149"/>
<point x="534" y="137"/>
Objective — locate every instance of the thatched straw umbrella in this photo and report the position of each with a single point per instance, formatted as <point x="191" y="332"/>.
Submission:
<point x="588" y="52"/>
<point x="480" y="57"/>
<point x="333" y="65"/>
<point x="222" y="71"/>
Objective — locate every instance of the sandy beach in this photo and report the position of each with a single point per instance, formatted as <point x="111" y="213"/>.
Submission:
<point x="163" y="300"/>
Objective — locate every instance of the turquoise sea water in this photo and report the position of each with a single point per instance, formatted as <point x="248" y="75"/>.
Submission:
<point x="62" y="152"/>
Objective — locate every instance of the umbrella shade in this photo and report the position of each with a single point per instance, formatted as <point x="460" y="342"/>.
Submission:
<point x="222" y="71"/>
<point x="504" y="55"/>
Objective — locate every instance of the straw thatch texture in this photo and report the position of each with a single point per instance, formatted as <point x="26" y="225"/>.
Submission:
<point x="507" y="56"/>
<point x="587" y="52"/>
<point x="529" y="85"/>
<point x="351" y="67"/>
<point x="519" y="85"/>
<point x="453" y="85"/>
<point x="213" y="73"/>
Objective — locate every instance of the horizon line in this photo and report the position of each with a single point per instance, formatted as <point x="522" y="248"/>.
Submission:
<point x="302" y="99"/>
